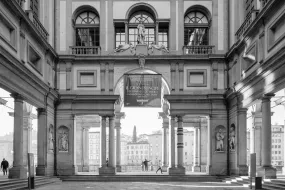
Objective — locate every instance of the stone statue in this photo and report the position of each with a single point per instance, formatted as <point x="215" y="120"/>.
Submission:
<point x="232" y="135"/>
<point x="141" y="33"/>
<point x="160" y="47"/>
<point x="220" y="140"/>
<point x="124" y="47"/>
<point x="51" y="146"/>
<point x="63" y="142"/>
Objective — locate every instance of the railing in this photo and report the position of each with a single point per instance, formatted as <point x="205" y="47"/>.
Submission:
<point x="263" y="3"/>
<point x="40" y="27"/>
<point x="246" y="23"/>
<point x="83" y="50"/>
<point x="200" y="49"/>
<point x="20" y="2"/>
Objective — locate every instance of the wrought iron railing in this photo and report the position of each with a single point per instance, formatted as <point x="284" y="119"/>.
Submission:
<point x="40" y="27"/>
<point x="85" y="50"/>
<point x="200" y="49"/>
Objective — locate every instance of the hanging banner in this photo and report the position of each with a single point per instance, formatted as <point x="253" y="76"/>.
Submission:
<point x="142" y="90"/>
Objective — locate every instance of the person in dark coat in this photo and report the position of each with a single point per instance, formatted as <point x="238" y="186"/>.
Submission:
<point x="146" y="164"/>
<point x="4" y="166"/>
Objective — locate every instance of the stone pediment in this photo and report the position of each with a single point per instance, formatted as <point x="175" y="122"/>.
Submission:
<point x="140" y="49"/>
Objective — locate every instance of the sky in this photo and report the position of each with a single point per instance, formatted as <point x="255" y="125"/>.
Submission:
<point x="145" y="119"/>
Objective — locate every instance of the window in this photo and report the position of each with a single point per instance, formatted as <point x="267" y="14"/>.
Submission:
<point x="87" y="29"/>
<point x="196" y="29"/>
<point x="34" y="59"/>
<point x="163" y="36"/>
<point x="148" y="21"/>
<point x="7" y="31"/>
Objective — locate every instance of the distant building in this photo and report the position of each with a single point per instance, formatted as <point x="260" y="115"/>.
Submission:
<point x="277" y="145"/>
<point x="155" y="148"/>
<point x="137" y="152"/>
<point x="94" y="148"/>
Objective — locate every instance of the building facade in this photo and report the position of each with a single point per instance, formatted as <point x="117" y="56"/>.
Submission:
<point x="215" y="59"/>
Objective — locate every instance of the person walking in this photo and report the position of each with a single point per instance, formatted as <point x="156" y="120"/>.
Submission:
<point x="4" y="166"/>
<point x="159" y="168"/>
<point x="107" y="162"/>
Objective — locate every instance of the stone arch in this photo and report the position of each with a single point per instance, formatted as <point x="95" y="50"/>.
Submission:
<point x="63" y="138"/>
<point x="220" y="138"/>
<point x="141" y="6"/>
<point x="119" y="87"/>
<point x="200" y="8"/>
<point x="82" y="9"/>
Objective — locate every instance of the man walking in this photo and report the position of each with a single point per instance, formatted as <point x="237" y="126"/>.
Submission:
<point x="4" y="166"/>
<point x="146" y="164"/>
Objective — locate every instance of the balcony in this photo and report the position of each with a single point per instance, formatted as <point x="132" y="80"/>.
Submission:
<point x="40" y="27"/>
<point x="83" y="50"/>
<point x="198" y="50"/>
<point x="248" y="20"/>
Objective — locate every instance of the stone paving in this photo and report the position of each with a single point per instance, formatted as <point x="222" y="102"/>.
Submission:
<point x="139" y="186"/>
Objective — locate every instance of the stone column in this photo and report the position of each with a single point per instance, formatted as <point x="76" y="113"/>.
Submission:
<point x="172" y="146"/>
<point x="119" y="116"/>
<point x="266" y="171"/>
<point x="18" y="170"/>
<point x="209" y="147"/>
<point x="85" y="167"/>
<point x="197" y="151"/>
<point x="102" y="145"/>
<point x="180" y="143"/>
<point x="42" y="141"/>
<point x="112" y="156"/>
<point x="165" y="126"/>
<point x="242" y="142"/>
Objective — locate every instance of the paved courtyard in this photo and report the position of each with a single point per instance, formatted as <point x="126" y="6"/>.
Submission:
<point x="139" y="186"/>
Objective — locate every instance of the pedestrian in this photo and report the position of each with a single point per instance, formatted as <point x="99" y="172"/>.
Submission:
<point x="159" y="168"/>
<point x="142" y="166"/>
<point x="107" y="162"/>
<point x="4" y="166"/>
<point x="146" y="164"/>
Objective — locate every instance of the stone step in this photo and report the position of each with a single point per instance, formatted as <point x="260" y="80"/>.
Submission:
<point x="13" y="184"/>
<point x="137" y="178"/>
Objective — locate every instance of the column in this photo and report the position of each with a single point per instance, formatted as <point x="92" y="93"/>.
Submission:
<point x="172" y="144"/>
<point x="18" y="170"/>
<point x="266" y="171"/>
<point x="242" y="142"/>
<point x="180" y="143"/>
<point x="126" y="33"/>
<point x="42" y="141"/>
<point x="112" y="156"/>
<point x="197" y="152"/>
<point x="85" y="139"/>
<point x="209" y="147"/>
<point x="103" y="144"/>
<point x="165" y="126"/>
<point x="119" y="116"/>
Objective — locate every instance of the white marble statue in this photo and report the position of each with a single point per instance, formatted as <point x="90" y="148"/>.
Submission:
<point x="220" y="140"/>
<point x="141" y="33"/>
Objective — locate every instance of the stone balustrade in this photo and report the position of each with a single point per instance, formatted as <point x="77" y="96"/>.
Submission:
<point x="83" y="50"/>
<point x="200" y="50"/>
<point x="40" y="27"/>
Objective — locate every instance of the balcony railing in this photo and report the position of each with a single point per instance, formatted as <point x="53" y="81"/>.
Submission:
<point x="198" y="50"/>
<point x="20" y="2"/>
<point x="83" y="50"/>
<point x="40" y="27"/>
<point x="246" y="23"/>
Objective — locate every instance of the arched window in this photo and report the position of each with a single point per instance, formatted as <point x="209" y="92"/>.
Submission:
<point x="196" y="29"/>
<point x="149" y="24"/>
<point x="87" y="29"/>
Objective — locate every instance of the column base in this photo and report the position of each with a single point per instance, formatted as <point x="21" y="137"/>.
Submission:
<point x="85" y="168"/>
<point x="196" y="168"/>
<point x="208" y="169"/>
<point x="267" y="172"/>
<point x="164" y="168"/>
<point x="19" y="172"/>
<point x="243" y="170"/>
<point x="176" y="171"/>
<point x="118" y="168"/>
<point x="67" y="170"/>
<point x="107" y="171"/>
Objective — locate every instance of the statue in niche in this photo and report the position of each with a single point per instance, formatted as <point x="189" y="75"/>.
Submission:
<point x="232" y="136"/>
<point x="141" y="33"/>
<point x="63" y="142"/>
<point x="51" y="139"/>
<point x="220" y="140"/>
